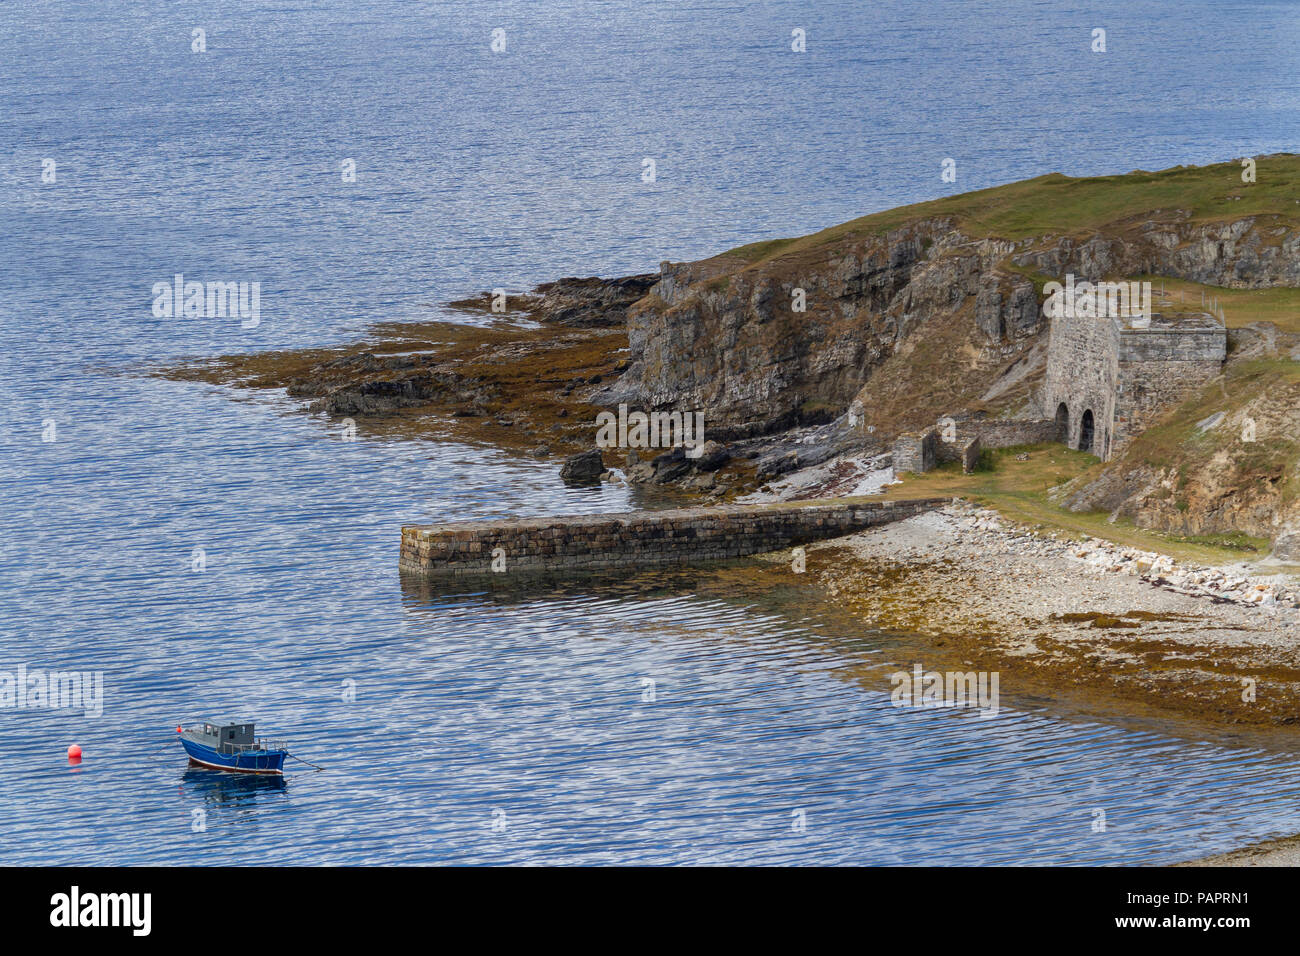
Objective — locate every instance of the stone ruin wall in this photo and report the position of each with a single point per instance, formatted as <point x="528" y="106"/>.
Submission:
<point x="964" y="448"/>
<point x="920" y="451"/>
<point x="1082" y="370"/>
<point x="1006" y="432"/>
<point x="916" y="452"/>
<point x="1157" y="369"/>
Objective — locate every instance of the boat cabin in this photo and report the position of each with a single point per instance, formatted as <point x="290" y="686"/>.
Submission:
<point x="229" y="738"/>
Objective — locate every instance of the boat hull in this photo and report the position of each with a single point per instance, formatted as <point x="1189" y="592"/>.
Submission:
<point x="257" y="761"/>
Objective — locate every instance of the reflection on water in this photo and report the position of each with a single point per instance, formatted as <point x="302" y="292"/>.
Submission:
<point x="662" y="717"/>
<point x="751" y="719"/>
<point x="230" y="789"/>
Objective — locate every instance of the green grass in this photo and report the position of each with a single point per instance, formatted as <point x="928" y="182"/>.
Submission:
<point x="1234" y="542"/>
<point x="1018" y="490"/>
<point x="1241" y="307"/>
<point x="755" y="251"/>
<point x="1176" y="439"/>
<point x="1071" y="206"/>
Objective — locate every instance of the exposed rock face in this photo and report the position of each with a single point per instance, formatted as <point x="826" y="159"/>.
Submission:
<point x="1007" y="307"/>
<point x="1234" y="254"/>
<point x="1217" y="496"/>
<point x="584" y="468"/>
<point x="908" y="323"/>
<point x="590" y="302"/>
<point x="724" y="336"/>
<point x="1286" y="547"/>
<point x="578" y="303"/>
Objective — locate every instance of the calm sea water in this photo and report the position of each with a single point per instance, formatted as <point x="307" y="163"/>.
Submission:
<point x="495" y="727"/>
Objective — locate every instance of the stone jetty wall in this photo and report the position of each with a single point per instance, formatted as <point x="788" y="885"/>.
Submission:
<point x="640" y="538"/>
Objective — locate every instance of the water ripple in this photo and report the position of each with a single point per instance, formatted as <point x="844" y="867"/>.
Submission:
<point x="214" y="554"/>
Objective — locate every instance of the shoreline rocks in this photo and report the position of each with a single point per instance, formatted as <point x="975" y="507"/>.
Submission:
<point x="587" y="303"/>
<point x="1220" y="583"/>
<point x="585" y="468"/>
<point x="1074" y="620"/>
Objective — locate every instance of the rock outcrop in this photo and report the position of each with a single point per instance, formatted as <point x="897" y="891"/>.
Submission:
<point x="584" y="468"/>
<point x="763" y="347"/>
<point x="577" y="303"/>
<point x="1242" y="253"/>
<point x="905" y="316"/>
<point x="792" y="339"/>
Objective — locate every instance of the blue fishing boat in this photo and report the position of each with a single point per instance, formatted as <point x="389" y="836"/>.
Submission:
<point x="232" y="747"/>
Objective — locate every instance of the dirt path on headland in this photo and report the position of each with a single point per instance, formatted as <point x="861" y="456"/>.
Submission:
<point x="1050" y="617"/>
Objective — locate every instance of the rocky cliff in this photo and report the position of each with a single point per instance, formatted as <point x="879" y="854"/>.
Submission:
<point x="913" y="322"/>
<point x="792" y="340"/>
<point x="904" y="315"/>
<point x="919" y="312"/>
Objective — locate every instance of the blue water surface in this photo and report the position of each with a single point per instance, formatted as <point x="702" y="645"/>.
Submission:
<point x="655" y="720"/>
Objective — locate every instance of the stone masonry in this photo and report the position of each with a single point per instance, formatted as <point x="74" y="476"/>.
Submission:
<point x="915" y="452"/>
<point x="1119" y="378"/>
<point x="1106" y="380"/>
<point x="640" y="538"/>
<point x="962" y="438"/>
<point x="1002" y="432"/>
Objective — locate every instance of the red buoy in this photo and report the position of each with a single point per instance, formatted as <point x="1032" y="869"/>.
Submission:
<point x="74" y="752"/>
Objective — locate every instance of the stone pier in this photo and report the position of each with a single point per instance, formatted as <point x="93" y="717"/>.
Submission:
<point x="641" y="539"/>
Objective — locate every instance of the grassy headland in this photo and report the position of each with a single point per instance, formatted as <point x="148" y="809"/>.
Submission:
<point x="1080" y="206"/>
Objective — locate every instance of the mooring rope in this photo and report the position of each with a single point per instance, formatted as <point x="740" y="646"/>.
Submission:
<point x="294" y="756"/>
<point x="300" y="760"/>
<point x="158" y="751"/>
